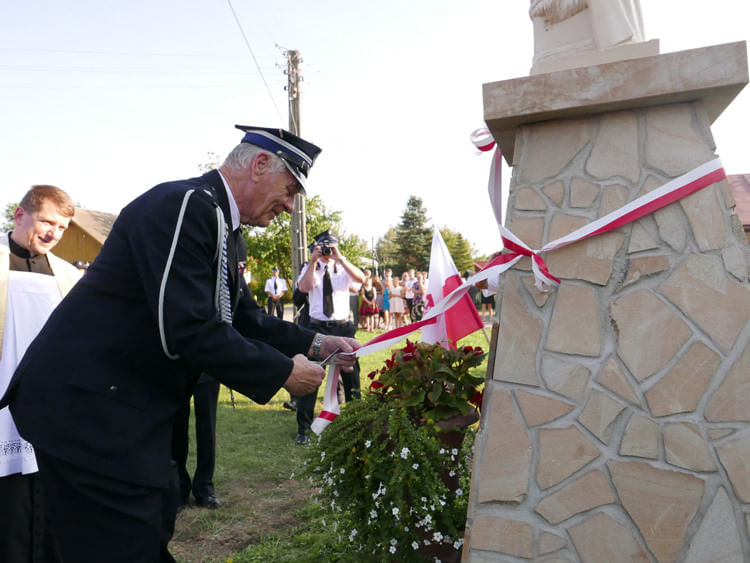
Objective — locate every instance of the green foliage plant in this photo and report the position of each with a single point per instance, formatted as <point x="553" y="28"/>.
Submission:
<point x="390" y="483"/>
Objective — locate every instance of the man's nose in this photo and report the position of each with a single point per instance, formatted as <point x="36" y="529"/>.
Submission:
<point x="289" y="205"/>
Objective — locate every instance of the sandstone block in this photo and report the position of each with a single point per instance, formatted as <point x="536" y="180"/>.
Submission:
<point x="586" y="492"/>
<point x="641" y="438"/>
<point x="681" y="389"/>
<point x="537" y="409"/>
<point x="685" y="447"/>
<point x="555" y="191"/>
<point x="649" y="333"/>
<point x="616" y="381"/>
<point x="718" y="538"/>
<point x="562" y="452"/>
<point x="599" y="415"/>
<point x="733" y="455"/>
<point x="519" y="336"/>
<point x="506" y="465"/>
<point x="575" y="327"/>
<point x="566" y="378"/>
<point x="502" y="535"/>
<point x="583" y="193"/>
<point x="644" y="266"/>
<point x="528" y="200"/>
<point x="702" y="290"/>
<point x="672" y="143"/>
<point x="615" y="151"/>
<point x="661" y="503"/>
<point x="730" y="401"/>
<point x="600" y="538"/>
<point x="543" y="155"/>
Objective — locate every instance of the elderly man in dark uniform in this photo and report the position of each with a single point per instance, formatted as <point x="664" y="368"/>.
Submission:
<point x="163" y="302"/>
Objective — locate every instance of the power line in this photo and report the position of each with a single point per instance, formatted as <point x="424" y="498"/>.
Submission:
<point x="247" y="43"/>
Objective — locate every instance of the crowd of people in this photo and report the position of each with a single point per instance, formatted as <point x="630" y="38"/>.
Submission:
<point x="391" y="301"/>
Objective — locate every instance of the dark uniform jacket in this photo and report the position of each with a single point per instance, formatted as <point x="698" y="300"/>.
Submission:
<point x="100" y="385"/>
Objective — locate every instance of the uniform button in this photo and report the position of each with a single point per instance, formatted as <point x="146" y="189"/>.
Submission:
<point x="113" y="388"/>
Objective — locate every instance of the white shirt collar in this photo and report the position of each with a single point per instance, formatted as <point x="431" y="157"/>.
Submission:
<point x="233" y="209"/>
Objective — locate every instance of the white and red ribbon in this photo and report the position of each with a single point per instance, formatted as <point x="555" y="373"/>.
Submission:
<point x="674" y="190"/>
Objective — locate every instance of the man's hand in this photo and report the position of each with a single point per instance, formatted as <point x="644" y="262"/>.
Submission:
<point x="305" y="378"/>
<point x="345" y="346"/>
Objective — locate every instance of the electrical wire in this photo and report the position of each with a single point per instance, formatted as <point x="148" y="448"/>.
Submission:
<point x="247" y="43"/>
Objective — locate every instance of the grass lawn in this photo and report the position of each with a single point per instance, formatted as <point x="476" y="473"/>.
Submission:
<point x="267" y="513"/>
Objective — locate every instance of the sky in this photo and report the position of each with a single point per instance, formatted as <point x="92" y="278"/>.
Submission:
<point x="107" y="99"/>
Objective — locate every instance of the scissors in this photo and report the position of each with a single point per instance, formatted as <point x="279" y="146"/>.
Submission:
<point x="329" y="358"/>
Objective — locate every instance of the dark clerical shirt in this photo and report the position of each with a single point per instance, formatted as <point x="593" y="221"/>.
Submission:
<point x="21" y="260"/>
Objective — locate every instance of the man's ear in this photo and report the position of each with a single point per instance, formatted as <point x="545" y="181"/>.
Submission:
<point x="260" y="164"/>
<point x="18" y="214"/>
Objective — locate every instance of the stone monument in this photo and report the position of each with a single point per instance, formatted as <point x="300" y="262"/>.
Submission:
<point x="616" y="424"/>
<point x="579" y="33"/>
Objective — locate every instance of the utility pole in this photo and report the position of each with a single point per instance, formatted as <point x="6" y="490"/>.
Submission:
<point x="299" y="227"/>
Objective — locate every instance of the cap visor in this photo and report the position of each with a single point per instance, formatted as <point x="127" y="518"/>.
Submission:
<point x="297" y="176"/>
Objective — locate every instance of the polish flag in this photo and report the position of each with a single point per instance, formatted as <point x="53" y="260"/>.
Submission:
<point x="460" y="320"/>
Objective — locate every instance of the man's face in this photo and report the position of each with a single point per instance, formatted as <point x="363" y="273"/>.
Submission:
<point x="39" y="231"/>
<point x="273" y="194"/>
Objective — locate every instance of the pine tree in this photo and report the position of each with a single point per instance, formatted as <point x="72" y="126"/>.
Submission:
<point x="413" y="237"/>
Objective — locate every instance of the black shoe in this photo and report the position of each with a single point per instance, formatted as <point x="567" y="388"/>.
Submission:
<point x="301" y="439"/>
<point x="291" y="405"/>
<point x="209" y="502"/>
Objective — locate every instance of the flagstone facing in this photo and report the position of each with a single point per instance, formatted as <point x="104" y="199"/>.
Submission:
<point x="618" y="423"/>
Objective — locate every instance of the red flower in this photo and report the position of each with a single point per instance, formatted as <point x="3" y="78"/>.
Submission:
<point x="376" y="385"/>
<point x="476" y="399"/>
<point x="372" y="374"/>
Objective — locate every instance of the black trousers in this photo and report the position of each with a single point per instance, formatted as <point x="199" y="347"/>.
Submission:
<point x="92" y="517"/>
<point x="350" y="381"/>
<point x="275" y="307"/>
<point x="205" y="398"/>
<point x="22" y="520"/>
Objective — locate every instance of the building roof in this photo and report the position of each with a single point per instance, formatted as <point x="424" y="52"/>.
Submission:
<point x="96" y="224"/>
<point x="740" y="184"/>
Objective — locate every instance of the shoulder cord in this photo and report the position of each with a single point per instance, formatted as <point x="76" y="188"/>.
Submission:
<point x="221" y="294"/>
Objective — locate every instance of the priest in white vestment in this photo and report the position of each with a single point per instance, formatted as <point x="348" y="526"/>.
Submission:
<point x="32" y="282"/>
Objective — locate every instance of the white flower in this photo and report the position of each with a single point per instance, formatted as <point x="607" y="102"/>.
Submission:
<point x="322" y="456"/>
<point x="342" y="470"/>
<point x="442" y="450"/>
<point x="395" y="511"/>
<point x="392" y="549"/>
<point x="415" y="466"/>
<point x="393" y="541"/>
<point x="437" y="537"/>
<point x="323" y="520"/>
<point x="368" y="444"/>
<point x="424" y="499"/>
<point x="428" y="519"/>
<point x="404" y="453"/>
<point x="459" y="492"/>
<point x="458" y="543"/>
<point x="454" y="451"/>
<point x="352" y="534"/>
<point x="452" y="473"/>
<point x="414" y="545"/>
<point x="373" y="514"/>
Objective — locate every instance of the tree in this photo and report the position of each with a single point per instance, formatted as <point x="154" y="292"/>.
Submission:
<point x="8" y="222"/>
<point x="413" y="237"/>
<point x="272" y="246"/>
<point x="387" y="250"/>
<point x="460" y="249"/>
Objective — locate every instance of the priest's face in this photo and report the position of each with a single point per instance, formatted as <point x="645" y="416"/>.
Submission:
<point x="39" y="231"/>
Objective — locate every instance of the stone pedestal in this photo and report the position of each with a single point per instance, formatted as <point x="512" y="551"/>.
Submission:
<point x="616" y="421"/>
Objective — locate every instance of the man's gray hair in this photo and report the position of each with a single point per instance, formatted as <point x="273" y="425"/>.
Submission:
<point x="243" y="154"/>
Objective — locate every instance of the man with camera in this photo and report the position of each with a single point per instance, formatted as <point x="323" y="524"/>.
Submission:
<point x="327" y="279"/>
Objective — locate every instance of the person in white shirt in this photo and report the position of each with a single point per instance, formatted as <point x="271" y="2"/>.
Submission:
<point x="275" y="289"/>
<point x="326" y="279"/>
<point x="32" y="282"/>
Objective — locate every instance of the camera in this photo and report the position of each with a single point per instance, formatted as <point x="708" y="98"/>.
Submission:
<point x="325" y="250"/>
